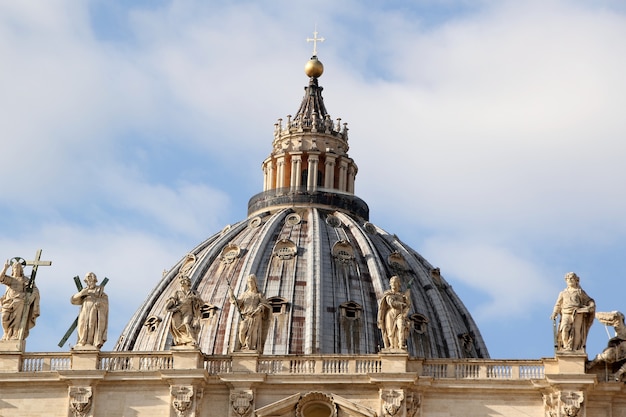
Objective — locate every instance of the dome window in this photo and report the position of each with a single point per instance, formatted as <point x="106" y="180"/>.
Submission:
<point x="278" y="304"/>
<point x="208" y="311"/>
<point x="350" y="310"/>
<point x="420" y="322"/>
<point x="152" y="323"/>
<point x="285" y="249"/>
<point x="343" y="251"/>
<point x="333" y="221"/>
<point x="293" y="219"/>
<point x="255" y="222"/>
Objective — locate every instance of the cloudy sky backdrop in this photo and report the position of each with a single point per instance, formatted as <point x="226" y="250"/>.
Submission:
<point x="490" y="136"/>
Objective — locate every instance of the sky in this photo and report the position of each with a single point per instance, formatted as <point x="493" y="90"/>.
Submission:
<point x="490" y="136"/>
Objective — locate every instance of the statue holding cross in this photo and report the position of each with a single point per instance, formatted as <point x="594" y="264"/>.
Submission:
<point x="20" y="303"/>
<point x="94" y="311"/>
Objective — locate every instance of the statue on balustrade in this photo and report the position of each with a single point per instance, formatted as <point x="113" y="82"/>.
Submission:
<point x="254" y="314"/>
<point x="577" y="310"/>
<point x="393" y="311"/>
<point x="16" y="303"/>
<point x="615" y="352"/>
<point x="94" y="313"/>
<point x="185" y="306"/>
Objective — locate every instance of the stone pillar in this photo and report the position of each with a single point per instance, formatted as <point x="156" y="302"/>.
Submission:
<point x="296" y="171"/>
<point x="312" y="177"/>
<point x="351" y="175"/>
<point x="280" y="171"/>
<point x="270" y="175"/>
<point x="343" y="175"/>
<point x="329" y="177"/>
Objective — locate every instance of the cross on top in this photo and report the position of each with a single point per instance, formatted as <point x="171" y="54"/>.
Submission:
<point x="36" y="263"/>
<point x="315" y="39"/>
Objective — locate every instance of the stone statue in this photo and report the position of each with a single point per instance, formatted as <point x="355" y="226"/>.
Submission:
<point x="185" y="307"/>
<point x="577" y="310"/>
<point x="94" y="313"/>
<point x="393" y="311"/>
<point x="13" y="302"/>
<point x="254" y="311"/>
<point x="616" y="348"/>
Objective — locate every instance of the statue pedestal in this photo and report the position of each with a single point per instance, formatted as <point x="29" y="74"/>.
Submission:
<point x="187" y="357"/>
<point x="85" y="357"/>
<point x="571" y="362"/>
<point x="245" y="361"/>
<point x="12" y="346"/>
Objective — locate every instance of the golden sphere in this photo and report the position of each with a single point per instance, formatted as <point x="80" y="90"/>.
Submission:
<point x="314" y="68"/>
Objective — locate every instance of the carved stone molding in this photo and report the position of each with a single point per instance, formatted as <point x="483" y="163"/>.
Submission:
<point x="80" y="401"/>
<point x="185" y="399"/>
<point x="241" y="402"/>
<point x="413" y="404"/>
<point x="316" y="403"/>
<point x="564" y="404"/>
<point x="392" y="402"/>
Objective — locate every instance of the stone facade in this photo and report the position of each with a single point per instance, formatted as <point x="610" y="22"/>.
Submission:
<point x="187" y="383"/>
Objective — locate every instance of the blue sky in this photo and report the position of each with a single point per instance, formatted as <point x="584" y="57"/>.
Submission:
<point x="490" y="136"/>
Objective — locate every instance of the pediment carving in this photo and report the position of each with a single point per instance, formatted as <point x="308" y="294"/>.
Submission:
<point x="290" y="406"/>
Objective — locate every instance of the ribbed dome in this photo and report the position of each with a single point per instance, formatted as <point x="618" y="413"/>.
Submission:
<point x="319" y="262"/>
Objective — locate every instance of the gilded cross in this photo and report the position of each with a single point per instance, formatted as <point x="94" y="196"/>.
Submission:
<point x="315" y="39"/>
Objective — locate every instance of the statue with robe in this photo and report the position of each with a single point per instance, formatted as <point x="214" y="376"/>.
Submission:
<point x="577" y="312"/>
<point x="94" y="313"/>
<point x="16" y="303"/>
<point x="186" y="308"/>
<point x="254" y="313"/>
<point x="393" y="311"/>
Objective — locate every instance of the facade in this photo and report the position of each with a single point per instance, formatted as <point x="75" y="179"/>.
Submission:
<point x="293" y="312"/>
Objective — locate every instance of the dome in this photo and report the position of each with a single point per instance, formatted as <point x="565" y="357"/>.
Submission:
<point x="318" y="261"/>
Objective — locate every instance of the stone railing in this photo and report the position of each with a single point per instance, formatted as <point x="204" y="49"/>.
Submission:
<point x="486" y="369"/>
<point x="482" y="369"/>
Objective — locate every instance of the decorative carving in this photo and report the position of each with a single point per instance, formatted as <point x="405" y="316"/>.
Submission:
<point x="397" y="262"/>
<point x="13" y="301"/>
<point x="94" y="313"/>
<point x="316" y="403"/>
<point x="80" y="401"/>
<point x="241" y="403"/>
<point x="254" y="311"/>
<point x="185" y="307"/>
<point x="230" y="253"/>
<point x="564" y="404"/>
<point x="391" y="402"/>
<point x="285" y="249"/>
<point x="370" y="228"/>
<point x="577" y="310"/>
<point x="393" y="310"/>
<point x="616" y="348"/>
<point x="183" y="399"/>
<point x="413" y="404"/>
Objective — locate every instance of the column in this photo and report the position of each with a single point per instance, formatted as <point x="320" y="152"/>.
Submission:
<point x="329" y="177"/>
<point x="312" y="177"/>
<point x="343" y="175"/>
<point x="296" y="171"/>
